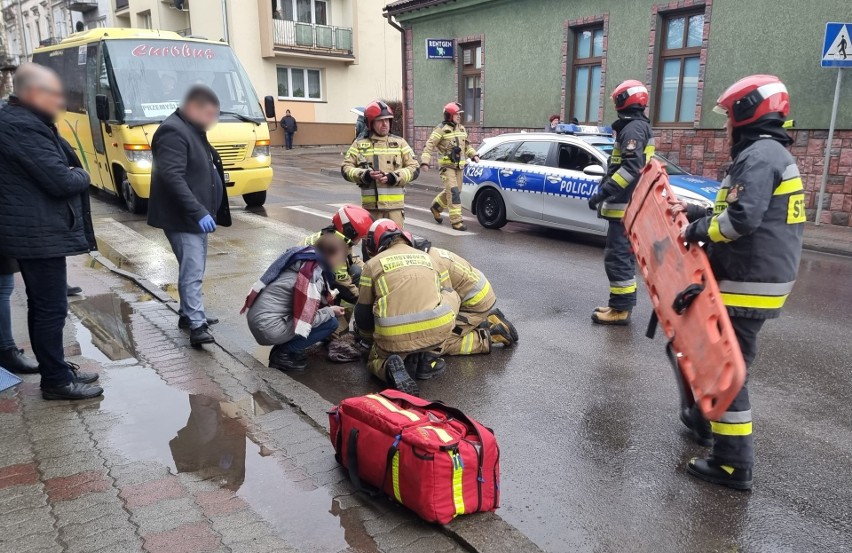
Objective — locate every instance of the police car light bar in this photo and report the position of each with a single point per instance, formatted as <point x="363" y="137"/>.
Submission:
<point x="570" y="128"/>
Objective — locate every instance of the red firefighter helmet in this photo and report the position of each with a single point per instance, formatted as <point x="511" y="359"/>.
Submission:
<point x="353" y="222"/>
<point x="375" y="111"/>
<point x="452" y="109"/>
<point x="752" y="98"/>
<point x="382" y="231"/>
<point x="628" y="94"/>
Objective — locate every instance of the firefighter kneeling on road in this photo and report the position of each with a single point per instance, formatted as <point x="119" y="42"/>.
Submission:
<point x="348" y="226"/>
<point x="381" y="165"/>
<point x="403" y="308"/>
<point x="754" y="242"/>
<point x="450" y="140"/>
<point x="479" y="324"/>
<point x="634" y="146"/>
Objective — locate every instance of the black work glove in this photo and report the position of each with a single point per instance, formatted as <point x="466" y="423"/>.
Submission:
<point x="391" y="179"/>
<point x="366" y="179"/>
<point x="596" y="199"/>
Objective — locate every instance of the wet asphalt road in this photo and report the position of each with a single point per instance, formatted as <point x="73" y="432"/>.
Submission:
<point x="592" y="450"/>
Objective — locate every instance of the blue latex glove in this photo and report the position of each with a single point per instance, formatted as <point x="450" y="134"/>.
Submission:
<point x="207" y="224"/>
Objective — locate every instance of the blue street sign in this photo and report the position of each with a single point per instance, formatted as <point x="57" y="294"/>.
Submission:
<point x="837" y="46"/>
<point x="439" y="49"/>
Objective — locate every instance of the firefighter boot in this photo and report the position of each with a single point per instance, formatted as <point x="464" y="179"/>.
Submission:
<point x="723" y="475"/>
<point x="497" y="318"/>
<point x="610" y="316"/>
<point x="699" y="427"/>
<point x="429" y="366"/>
<point x="459" y="226"/>
<point x="437" y="212"/>
<point x="500" y="335"/>
<point x="399" y="378"/>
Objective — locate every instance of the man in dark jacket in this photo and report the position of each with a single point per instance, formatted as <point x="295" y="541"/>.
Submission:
<point x="288" y="123"/>
<point x="44" y="218"/>
<point x="188" y="199"/>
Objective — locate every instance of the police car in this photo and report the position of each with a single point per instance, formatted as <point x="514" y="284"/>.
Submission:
<point x="547" y="178"/>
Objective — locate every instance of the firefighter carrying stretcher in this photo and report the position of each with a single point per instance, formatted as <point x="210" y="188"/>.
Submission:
<point x="754" y="242"/>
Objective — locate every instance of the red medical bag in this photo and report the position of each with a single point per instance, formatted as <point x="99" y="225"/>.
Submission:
<point x="431" y="458"/>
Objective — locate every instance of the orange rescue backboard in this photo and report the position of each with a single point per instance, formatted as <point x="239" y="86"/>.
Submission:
<point x="700" y="332"/>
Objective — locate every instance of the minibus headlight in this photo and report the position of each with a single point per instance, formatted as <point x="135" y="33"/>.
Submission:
<point x="261" y="149"/>
<point x="140" y="154"/>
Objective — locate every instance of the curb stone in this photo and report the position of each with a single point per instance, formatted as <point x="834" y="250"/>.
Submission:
<point x="479" y="533"/>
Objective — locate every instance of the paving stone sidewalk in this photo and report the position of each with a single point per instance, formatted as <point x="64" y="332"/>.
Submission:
<point x="188" y="451"/>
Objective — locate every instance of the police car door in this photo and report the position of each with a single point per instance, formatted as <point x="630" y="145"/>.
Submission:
<point x="567" y="188"/>
<point x="522" y="178"/>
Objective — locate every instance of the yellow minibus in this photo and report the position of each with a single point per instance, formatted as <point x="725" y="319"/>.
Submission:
<point x="121" y="84"/>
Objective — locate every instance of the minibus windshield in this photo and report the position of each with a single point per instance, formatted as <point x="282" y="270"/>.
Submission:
<point x="152" y="75"/>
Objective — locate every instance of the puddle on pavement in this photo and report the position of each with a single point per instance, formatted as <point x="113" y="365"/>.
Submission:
<point x="202" y="435"/>
<point x="104" y="329"/>
<point x="208" y="437"/>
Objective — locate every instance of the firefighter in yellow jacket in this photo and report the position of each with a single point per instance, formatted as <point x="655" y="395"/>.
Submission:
<point x="381" y="165"/>
<point x="403" y="306"/>
<point x="450" y="141"/>
<point x="479" y="324"/>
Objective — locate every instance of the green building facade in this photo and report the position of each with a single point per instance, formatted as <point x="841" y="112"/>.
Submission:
<point x="517" y="62"/>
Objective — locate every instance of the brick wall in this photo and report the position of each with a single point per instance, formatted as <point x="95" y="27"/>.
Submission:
<point x="703" y="152"/>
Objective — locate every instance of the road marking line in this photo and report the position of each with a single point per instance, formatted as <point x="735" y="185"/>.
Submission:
<point x="290" y="232"/>
<point x="426" y="210"/>
<point x="431" y="226"/>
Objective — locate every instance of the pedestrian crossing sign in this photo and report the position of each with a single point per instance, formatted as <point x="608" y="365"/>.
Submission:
<point x="837" y="47"/>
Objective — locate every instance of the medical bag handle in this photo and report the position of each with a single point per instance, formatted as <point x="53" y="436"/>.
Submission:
<point x="427" y="404"/>
<point x="352" y="464"/>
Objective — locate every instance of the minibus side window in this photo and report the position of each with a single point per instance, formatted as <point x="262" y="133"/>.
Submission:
<point x="93" y="64"/>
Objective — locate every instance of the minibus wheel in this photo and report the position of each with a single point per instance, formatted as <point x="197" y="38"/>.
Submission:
<point x="255" y="199"/>
<point x="134" y="203"/>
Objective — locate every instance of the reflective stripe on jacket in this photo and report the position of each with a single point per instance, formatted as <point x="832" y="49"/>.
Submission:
<point x="411" y="311"/>
<point x="390" y="154"/>
<point x="754" y="234"/>
<point x="443" y="140"/>
<point x="633" y="147"/>
<point x="470" y="284"/>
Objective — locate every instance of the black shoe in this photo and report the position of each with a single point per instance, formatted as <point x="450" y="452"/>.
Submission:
<point x="399" y="378"/>
<point x="497" y="318"/>
<point x="699" y="428"/>
<point x="80" y="376"/>
<point x="73" y="290"/>
<point x="15" y="361"/>
<point x="183" y="321"/>
<point x="411" y="363"/>
<point x="284" y="360"/>
<point x="200" y="335"/>
<point x="429" y="367"/>
<point x="459" y="226"/>
<point x="72" y="390"/>
<point x="723" y="475"/>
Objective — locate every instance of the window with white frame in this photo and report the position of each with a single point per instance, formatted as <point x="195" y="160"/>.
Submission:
<point x="299" y="84"/>
<point x="302" y="11"/>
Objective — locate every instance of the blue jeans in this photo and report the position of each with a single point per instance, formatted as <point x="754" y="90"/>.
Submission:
<point x="47" y="308"/>
<point x="318" y="334"/>
<point x="288" y="140"/>
<point x="7" y="286"/>
<point x="191" y="252"/>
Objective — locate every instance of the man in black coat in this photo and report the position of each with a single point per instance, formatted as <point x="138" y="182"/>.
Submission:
<point x="44" y="218"/>
<point x="288" y="122"/>
<point x="188" y="199"/>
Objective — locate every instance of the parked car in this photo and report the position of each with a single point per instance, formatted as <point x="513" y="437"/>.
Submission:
<point x="546" y="179"/>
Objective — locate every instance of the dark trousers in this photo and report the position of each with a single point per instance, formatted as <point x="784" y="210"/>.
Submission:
<point x="317" y="335"/>
<point x="620" y="266"/>
<point x="733" y="443"/>
<point x="288" y="140"/>
<point x="47" y="304"/>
